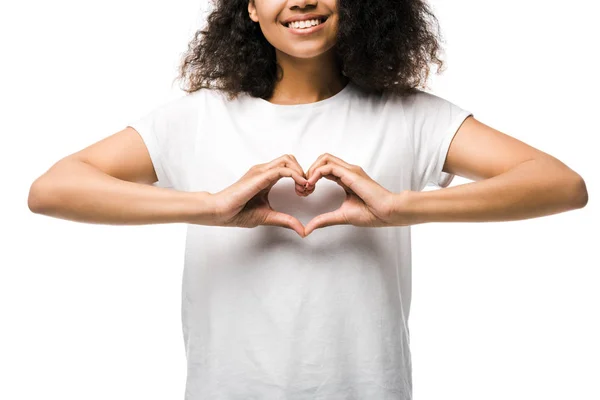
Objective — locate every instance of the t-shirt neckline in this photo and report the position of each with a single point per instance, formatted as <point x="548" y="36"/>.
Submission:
<point x="339" y="96"/>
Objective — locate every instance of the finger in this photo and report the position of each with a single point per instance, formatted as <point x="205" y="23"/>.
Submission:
<point x="335" y="217"/>
<point x="300" y="181"/>
<point x="338" y="181"/>
<point x="332" y="171"/>
<point x="276" y="218"/>
<point x="298" y="164"/>
<point x="246" y="190"/>
<point x="287" y="160"/>
<point x="271" y="176"/>
<point x="310" y="189"/>
<point x="314" y="165"/>
<point x="358" y="184"/>
<point x="325" y="159"/>
<point x="300" y="189"/>
<point x="274" y="174"/>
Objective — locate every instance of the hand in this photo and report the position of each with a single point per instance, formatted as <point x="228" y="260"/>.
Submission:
<point x="367" y="203"/>
<point x="246" y="204"/>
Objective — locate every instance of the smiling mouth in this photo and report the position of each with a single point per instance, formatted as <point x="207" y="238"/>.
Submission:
<point x="321" y="20"/>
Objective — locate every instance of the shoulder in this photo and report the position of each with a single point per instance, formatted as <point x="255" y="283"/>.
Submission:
<point x="185" y="107"/>
<point x="416" y="98"/>
<point x="420" y="104"/>
<point x="413" y="101"/>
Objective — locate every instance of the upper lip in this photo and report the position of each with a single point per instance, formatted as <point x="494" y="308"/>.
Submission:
<point x="303" y="17"/>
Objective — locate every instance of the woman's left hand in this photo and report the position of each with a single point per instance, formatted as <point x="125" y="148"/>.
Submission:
<point x="367" y="203"/>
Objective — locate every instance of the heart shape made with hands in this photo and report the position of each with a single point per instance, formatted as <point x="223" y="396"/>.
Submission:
<point x="329" y="196"/>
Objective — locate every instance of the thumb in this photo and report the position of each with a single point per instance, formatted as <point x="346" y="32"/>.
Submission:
<point x="276" y="218"/>
<point x="328" y="219"/>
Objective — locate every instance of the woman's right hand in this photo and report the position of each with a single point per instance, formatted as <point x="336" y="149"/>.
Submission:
<point x="246" y="204"/>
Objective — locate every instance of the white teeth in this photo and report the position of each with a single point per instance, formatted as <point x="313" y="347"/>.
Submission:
<point x="304" y="24"/>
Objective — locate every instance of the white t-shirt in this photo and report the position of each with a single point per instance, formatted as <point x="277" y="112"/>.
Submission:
<point x="268" y="315"/>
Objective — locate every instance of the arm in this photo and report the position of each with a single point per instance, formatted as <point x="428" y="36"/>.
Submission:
<point x="109" y="183"/>
<point x="514" y="181"/>
<point x="77" y="191"/>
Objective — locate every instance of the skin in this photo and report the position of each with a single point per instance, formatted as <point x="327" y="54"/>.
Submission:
<point x="310" y="72"/>
<point x="517" y="180"/>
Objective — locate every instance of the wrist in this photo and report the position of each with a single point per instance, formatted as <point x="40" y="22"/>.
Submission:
<point x="405" y="208"/>
<point x="203" y="210"/>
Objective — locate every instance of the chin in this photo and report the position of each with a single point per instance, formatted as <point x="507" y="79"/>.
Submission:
<point x="308" y="53"/>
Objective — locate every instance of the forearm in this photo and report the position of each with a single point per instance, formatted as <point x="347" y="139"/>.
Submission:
<point x="532" y="189"/>
<point x="80" y="192"/>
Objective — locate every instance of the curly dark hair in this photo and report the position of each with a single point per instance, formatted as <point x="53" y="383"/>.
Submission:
<point x="381" y="46"/>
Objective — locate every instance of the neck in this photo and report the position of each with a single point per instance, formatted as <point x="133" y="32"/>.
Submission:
<point x="307" y="80"/>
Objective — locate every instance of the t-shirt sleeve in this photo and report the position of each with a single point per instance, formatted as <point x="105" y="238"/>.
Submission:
<point x="432" y="122"/>
<point x="169" y="132"/>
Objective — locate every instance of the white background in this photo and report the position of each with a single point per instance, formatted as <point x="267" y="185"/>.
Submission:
<point x="504" y="310"/>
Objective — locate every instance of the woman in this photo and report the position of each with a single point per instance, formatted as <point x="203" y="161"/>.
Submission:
<point x="318" y="310"/>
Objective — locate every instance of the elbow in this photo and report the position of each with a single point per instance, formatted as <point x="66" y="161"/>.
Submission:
<point x="580" y="194"/>
<point x="35" y="199"/>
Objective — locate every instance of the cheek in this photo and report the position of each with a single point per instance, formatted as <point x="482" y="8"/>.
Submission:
<point x="269" y="29"/>
<point x="274" y="33"/>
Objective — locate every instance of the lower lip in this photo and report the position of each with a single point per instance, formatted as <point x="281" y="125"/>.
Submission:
<point x="306" y="31"/>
